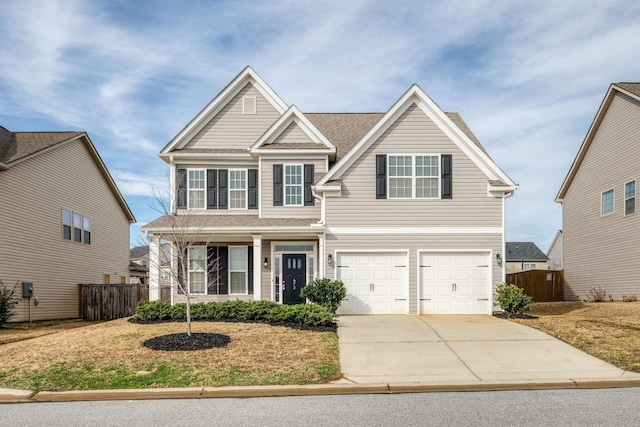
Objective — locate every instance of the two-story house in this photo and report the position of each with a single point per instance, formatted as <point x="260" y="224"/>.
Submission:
<point x="405" y="207"/>
<point x="63" y="221"/>
<point x="600" y="226"/>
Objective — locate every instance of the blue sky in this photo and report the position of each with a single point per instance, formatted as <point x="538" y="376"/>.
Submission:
<point x="527" y="77"/>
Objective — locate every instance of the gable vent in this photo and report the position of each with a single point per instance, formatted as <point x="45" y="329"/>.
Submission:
<point x="248" y="105"/>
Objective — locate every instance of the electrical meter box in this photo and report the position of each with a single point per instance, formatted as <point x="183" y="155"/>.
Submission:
<point x="27" y="289"/>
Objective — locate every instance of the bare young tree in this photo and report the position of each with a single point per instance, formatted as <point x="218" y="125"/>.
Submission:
<point x="184" y="231"/>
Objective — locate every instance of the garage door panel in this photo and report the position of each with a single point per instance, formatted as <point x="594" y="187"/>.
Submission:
<point x="375" y="282"/>
<point x="461" y="281"/>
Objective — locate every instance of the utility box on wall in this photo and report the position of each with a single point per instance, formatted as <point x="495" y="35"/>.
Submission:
<point x="27" y="290"/>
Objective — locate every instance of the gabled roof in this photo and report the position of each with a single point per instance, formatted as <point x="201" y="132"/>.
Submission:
<point x="245" y="77"/>
<point x="465" y="140"/>
<point x="292" y="116"/>
<point x="16" y="147"/>
<point x="524" y="251"/>
<point x="629" y="89"/>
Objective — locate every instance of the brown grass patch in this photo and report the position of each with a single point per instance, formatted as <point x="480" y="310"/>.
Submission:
<point x="257" y="354"/>
<point x="607" y="330"/>
<point x="24" y="330"/>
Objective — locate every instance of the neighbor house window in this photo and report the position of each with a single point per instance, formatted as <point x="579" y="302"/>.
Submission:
<point x="293" y="185"/>
<point x="526" y="266"/>
<point x="238" y="257"/>
<point x="196" y="183"/>
<point x="77" y="227"/>
<point x="414" y="177"/>
<point x="630" y="197"/>
<point x="86" y="229"/>
<point x="197" y="269"/>
<point x="607" y="202"/>
<point x="66" y="224"/>
<point x="238" y="189"/>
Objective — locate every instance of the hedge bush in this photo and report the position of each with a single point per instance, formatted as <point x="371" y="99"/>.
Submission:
<point x="512" y="300"/>
<point x="325" y="292"/>
<point x="260" y="311"/>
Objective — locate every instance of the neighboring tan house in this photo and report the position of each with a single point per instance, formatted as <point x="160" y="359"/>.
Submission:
<point x="62" y="220"/>
<point x="139" y="265"/>
<point x="523" y="256"/>
<point x="555" y="252"/>
<point x="405" y="207"/>
<point x="600" y="226"/>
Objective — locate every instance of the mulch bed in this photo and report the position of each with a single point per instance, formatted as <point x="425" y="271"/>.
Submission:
<point x="299" y="326"/>
<point x="517" y="316"/>
<point x="184" y="342"/>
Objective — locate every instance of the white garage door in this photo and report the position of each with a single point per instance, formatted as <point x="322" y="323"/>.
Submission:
<point x="455" y="283"/>
<point x="375" y="282"/>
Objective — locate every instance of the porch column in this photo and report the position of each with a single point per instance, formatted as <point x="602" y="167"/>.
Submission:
<point x="257" y="267"/>
<point x="321" y="257"/>
<point x="154" y="268"/>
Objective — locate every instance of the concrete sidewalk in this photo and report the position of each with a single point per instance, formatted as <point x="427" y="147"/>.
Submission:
<point x="461" y="349"/>
<point x="410" y="354"/>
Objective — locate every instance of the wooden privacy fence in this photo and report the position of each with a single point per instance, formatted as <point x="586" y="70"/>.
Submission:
<point x="110" y="301"/>
<point x="541" y="285"/>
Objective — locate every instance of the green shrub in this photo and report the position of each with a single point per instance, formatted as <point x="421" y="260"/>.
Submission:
<point x="512" y="300"/>
<point x="261" y="311"/>
<point x="325" y="292"/>
<point x="8" y="301"/>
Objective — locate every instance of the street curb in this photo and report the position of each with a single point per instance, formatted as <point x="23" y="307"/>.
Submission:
<point x="23" y="396"/>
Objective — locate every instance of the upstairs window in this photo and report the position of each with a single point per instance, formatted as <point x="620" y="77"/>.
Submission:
<point x="630" y="197"/>
<point x="414" y="176"/>
<point x="293" y="185"/>
<point x="196" y="188"/>
<point x="66" y="224"/>
<point x="86" y="228"/>
<point x="76" y="227"/>
<point x="238" y="189"/>
<point x="607" y="202"/>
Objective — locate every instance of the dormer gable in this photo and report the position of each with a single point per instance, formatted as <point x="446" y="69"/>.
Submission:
<point x="293" y="133"/>
<point x="247" y="98"/>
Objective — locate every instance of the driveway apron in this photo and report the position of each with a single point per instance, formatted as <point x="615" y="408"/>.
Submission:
<point x="458" y="348"/>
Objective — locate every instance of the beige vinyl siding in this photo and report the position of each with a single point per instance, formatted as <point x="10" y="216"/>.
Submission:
<point x="265" y="277"/>
<point x="414" y="133"/>
<point x="604" y="250"/>
<point x="293" y="134"/>
<point x="32" y="196"/>
<point x="266" y="194"/>
<point x="413" y="243"/>
<point x="230" y="128"/>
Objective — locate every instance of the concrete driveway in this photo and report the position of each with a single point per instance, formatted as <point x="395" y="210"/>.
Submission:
<point x="460" y="349"/>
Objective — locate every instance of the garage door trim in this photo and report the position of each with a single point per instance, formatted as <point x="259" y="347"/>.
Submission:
<point x="404" y="252"/>
<point x="488" y="252"/>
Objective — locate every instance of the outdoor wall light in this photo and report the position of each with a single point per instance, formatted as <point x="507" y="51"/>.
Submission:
<point x="330" y="259"/>
<point x="266" y="262"/>
<point x="499" y="260"/>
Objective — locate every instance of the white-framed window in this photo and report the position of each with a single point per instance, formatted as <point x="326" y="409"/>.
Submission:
<point x="293" y="185"/>
<point x="86" y="230"/>
<point x="630" y="197"/>
<point x="237" y="189"/>
<point x="196" y="185"/>
<point x="197" y="269"/>
<point x="76" y="227"/>
<point x="607" y="202"/>
<point x="238" y="258"/>
<point x="526" y="266"/>
<point x="414" y="176"/>
<point x="66" y="224"/>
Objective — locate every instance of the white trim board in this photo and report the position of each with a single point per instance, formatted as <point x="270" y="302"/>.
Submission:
<point x="414" y="230"/>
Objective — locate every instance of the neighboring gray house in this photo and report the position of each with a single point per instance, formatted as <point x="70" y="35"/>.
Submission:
<point x="405" y="207"/>
<point x="523" y="256"/>
<point x="62" y="220"/>
<point x="555" y="252"/>
<point x="600" y="223"/>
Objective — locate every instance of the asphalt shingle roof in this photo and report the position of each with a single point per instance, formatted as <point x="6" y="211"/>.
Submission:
<point x="631" y="87"/>
<point x="524" y="251"/>
<point x="16" y="145"/>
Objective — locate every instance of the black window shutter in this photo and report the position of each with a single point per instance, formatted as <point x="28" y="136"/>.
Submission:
<point x="180" y="276"/>
<point x="381" y="176"/>
<point x="447" y="192"/>
<point x="223" y="185"/>
<point x="308" y="182"/>
<point x="253" y="188"/>
<point x="277" y="185"/>
<point x="182" y="188"/>
<point x="250" y="268"/>
<point x="223" y="270"/>
<point x="212" y="270"/>
<point x="212" y="188"/>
